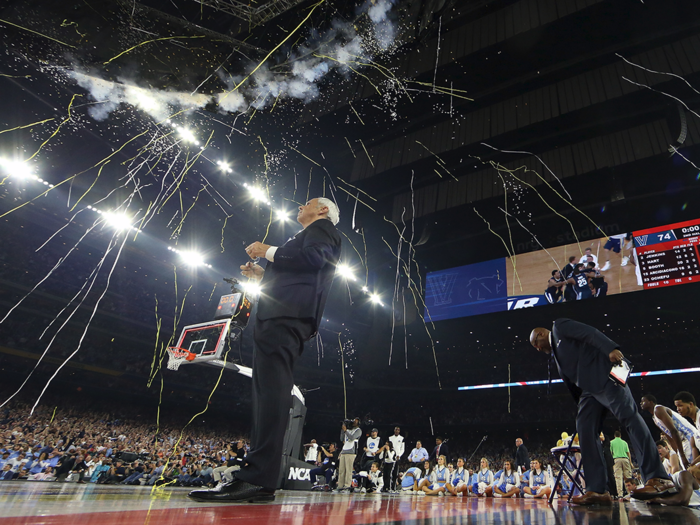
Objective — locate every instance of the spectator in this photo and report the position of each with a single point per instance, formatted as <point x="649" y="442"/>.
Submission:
<point x="397" y="443"/>
<point x="389" y="458"/>
<point x="623" y="461"/>
<point x="418" y="454"/>
<point x="117" y="473"/>
<point x="371" y="449"/>
<point x="522" y="458"/>
<point x="311" y="455"/>
<point x="439" y="450"/>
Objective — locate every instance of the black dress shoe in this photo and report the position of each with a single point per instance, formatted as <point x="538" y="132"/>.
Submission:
<point x="237" y="490"/>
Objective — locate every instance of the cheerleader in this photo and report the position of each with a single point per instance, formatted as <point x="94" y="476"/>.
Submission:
<point x="459" y="482"/>
<point x="483" y="480"/>
<point x="410" y="479"/>
<point x="538" y="486"/>
<point x="439" y="478"/>
<point x="507" y="484"/>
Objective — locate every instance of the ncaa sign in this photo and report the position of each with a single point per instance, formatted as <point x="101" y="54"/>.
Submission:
<point x="299" y="474"/>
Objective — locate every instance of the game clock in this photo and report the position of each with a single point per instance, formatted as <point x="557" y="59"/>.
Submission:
<point x="668" y="255"/>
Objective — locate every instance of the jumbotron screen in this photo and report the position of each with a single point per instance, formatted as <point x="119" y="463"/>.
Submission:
<point x="626" y="262"/>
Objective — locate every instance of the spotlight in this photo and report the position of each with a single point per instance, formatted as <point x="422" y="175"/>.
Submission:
<point x="345" y="271"/>
<point x="252" y="288"/>
<point x="192" y="259"/>
<point x="17" y="169"/>
<point x="282" y="215"/>
<point x="376" y="299"/>
<point x="365" y="289"/>
<point x="186" y="134"/>
<point x="258" y="194"/>
<point x="224" y="166"/>
<point x="118" y="221"/>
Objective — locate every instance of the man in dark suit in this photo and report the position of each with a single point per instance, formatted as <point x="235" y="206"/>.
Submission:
<point x="295" y="285"/>
<point x="584" y="357"/>
<point x="522" y="457"/>
<point x="439" y="450"/>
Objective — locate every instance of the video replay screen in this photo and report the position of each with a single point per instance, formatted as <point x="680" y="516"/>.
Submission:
<point x="627" y="262"/>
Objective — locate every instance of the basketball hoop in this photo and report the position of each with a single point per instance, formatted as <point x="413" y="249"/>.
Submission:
<point x="177" y="356"/>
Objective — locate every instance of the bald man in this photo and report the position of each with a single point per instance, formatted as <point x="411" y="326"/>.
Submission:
<point x="584" y="358"/>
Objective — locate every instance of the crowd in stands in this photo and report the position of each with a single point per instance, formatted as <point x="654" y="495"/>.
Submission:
<point x="85" y="445"/>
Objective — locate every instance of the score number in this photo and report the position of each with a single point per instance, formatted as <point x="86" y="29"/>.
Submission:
<point x="666" y="237"/>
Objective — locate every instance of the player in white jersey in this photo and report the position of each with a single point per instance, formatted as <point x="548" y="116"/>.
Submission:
<point x="483" y="480"/>
<point x="397" y="443"/>
<point x="669" y="458"/>
<point x="687" y="484"/>
<point x="682" y="435"/>
<point x="687" y="407"/>
<point x="459" y="484"/>
<point x="539" y="483"/>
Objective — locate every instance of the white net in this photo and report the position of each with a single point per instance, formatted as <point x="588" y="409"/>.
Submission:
<point x="176" y="357"/>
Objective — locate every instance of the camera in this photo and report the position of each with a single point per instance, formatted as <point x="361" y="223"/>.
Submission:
<point x="348" y="422"/>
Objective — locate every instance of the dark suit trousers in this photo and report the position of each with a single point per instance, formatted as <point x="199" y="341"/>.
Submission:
<point x="278" y="344"/>
<point x="592" y="409"/>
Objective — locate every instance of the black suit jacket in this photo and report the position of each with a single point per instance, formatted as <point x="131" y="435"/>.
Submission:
<point x="296" y="285"/>
<point x="522" y="458"/>
<point x="444" y="451"/>
<point x="582" y="355"/>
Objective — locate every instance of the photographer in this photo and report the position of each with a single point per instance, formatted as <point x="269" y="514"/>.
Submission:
<point x="234" y="458"/>
<point x="349" y="437"/>
<point x="327" y="466"/>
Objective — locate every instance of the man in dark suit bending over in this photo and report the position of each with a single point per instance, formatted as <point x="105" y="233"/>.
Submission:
<point x="295" y="285"/>
<point x="584" y="357"/>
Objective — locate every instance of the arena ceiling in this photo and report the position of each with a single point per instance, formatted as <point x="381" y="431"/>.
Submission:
<point x="406" y="126"/>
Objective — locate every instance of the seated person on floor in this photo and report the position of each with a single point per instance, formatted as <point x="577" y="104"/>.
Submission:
<point x="438" y="479"/>
<point x="459" y="480"/>
<point x="371" y="481"/>
<point x="410" y="478"/>
<point x="507" y="485"/>
<point x="539" y="482"/>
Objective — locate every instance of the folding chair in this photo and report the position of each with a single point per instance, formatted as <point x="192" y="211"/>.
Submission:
<point x="569" y="466"/>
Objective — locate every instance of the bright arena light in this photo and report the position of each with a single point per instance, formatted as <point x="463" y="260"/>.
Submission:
<point x="345" y="271"/>
<point x="282" y="215"/>
<point x="365" y="289"/>
<point x="258" y="194"/>
<point x="186" y="134"/>
<point x="17" y="169"/>
<point x="376" y="299"/>
<point x="224" y="166"/>
<point x="192" y="258"/>
<point x="118" y="221"/>
<point x="252" y="288"/>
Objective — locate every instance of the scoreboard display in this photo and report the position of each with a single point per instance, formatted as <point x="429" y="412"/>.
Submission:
<point x="660" y="256"/>
<point x="668" y="255"/>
